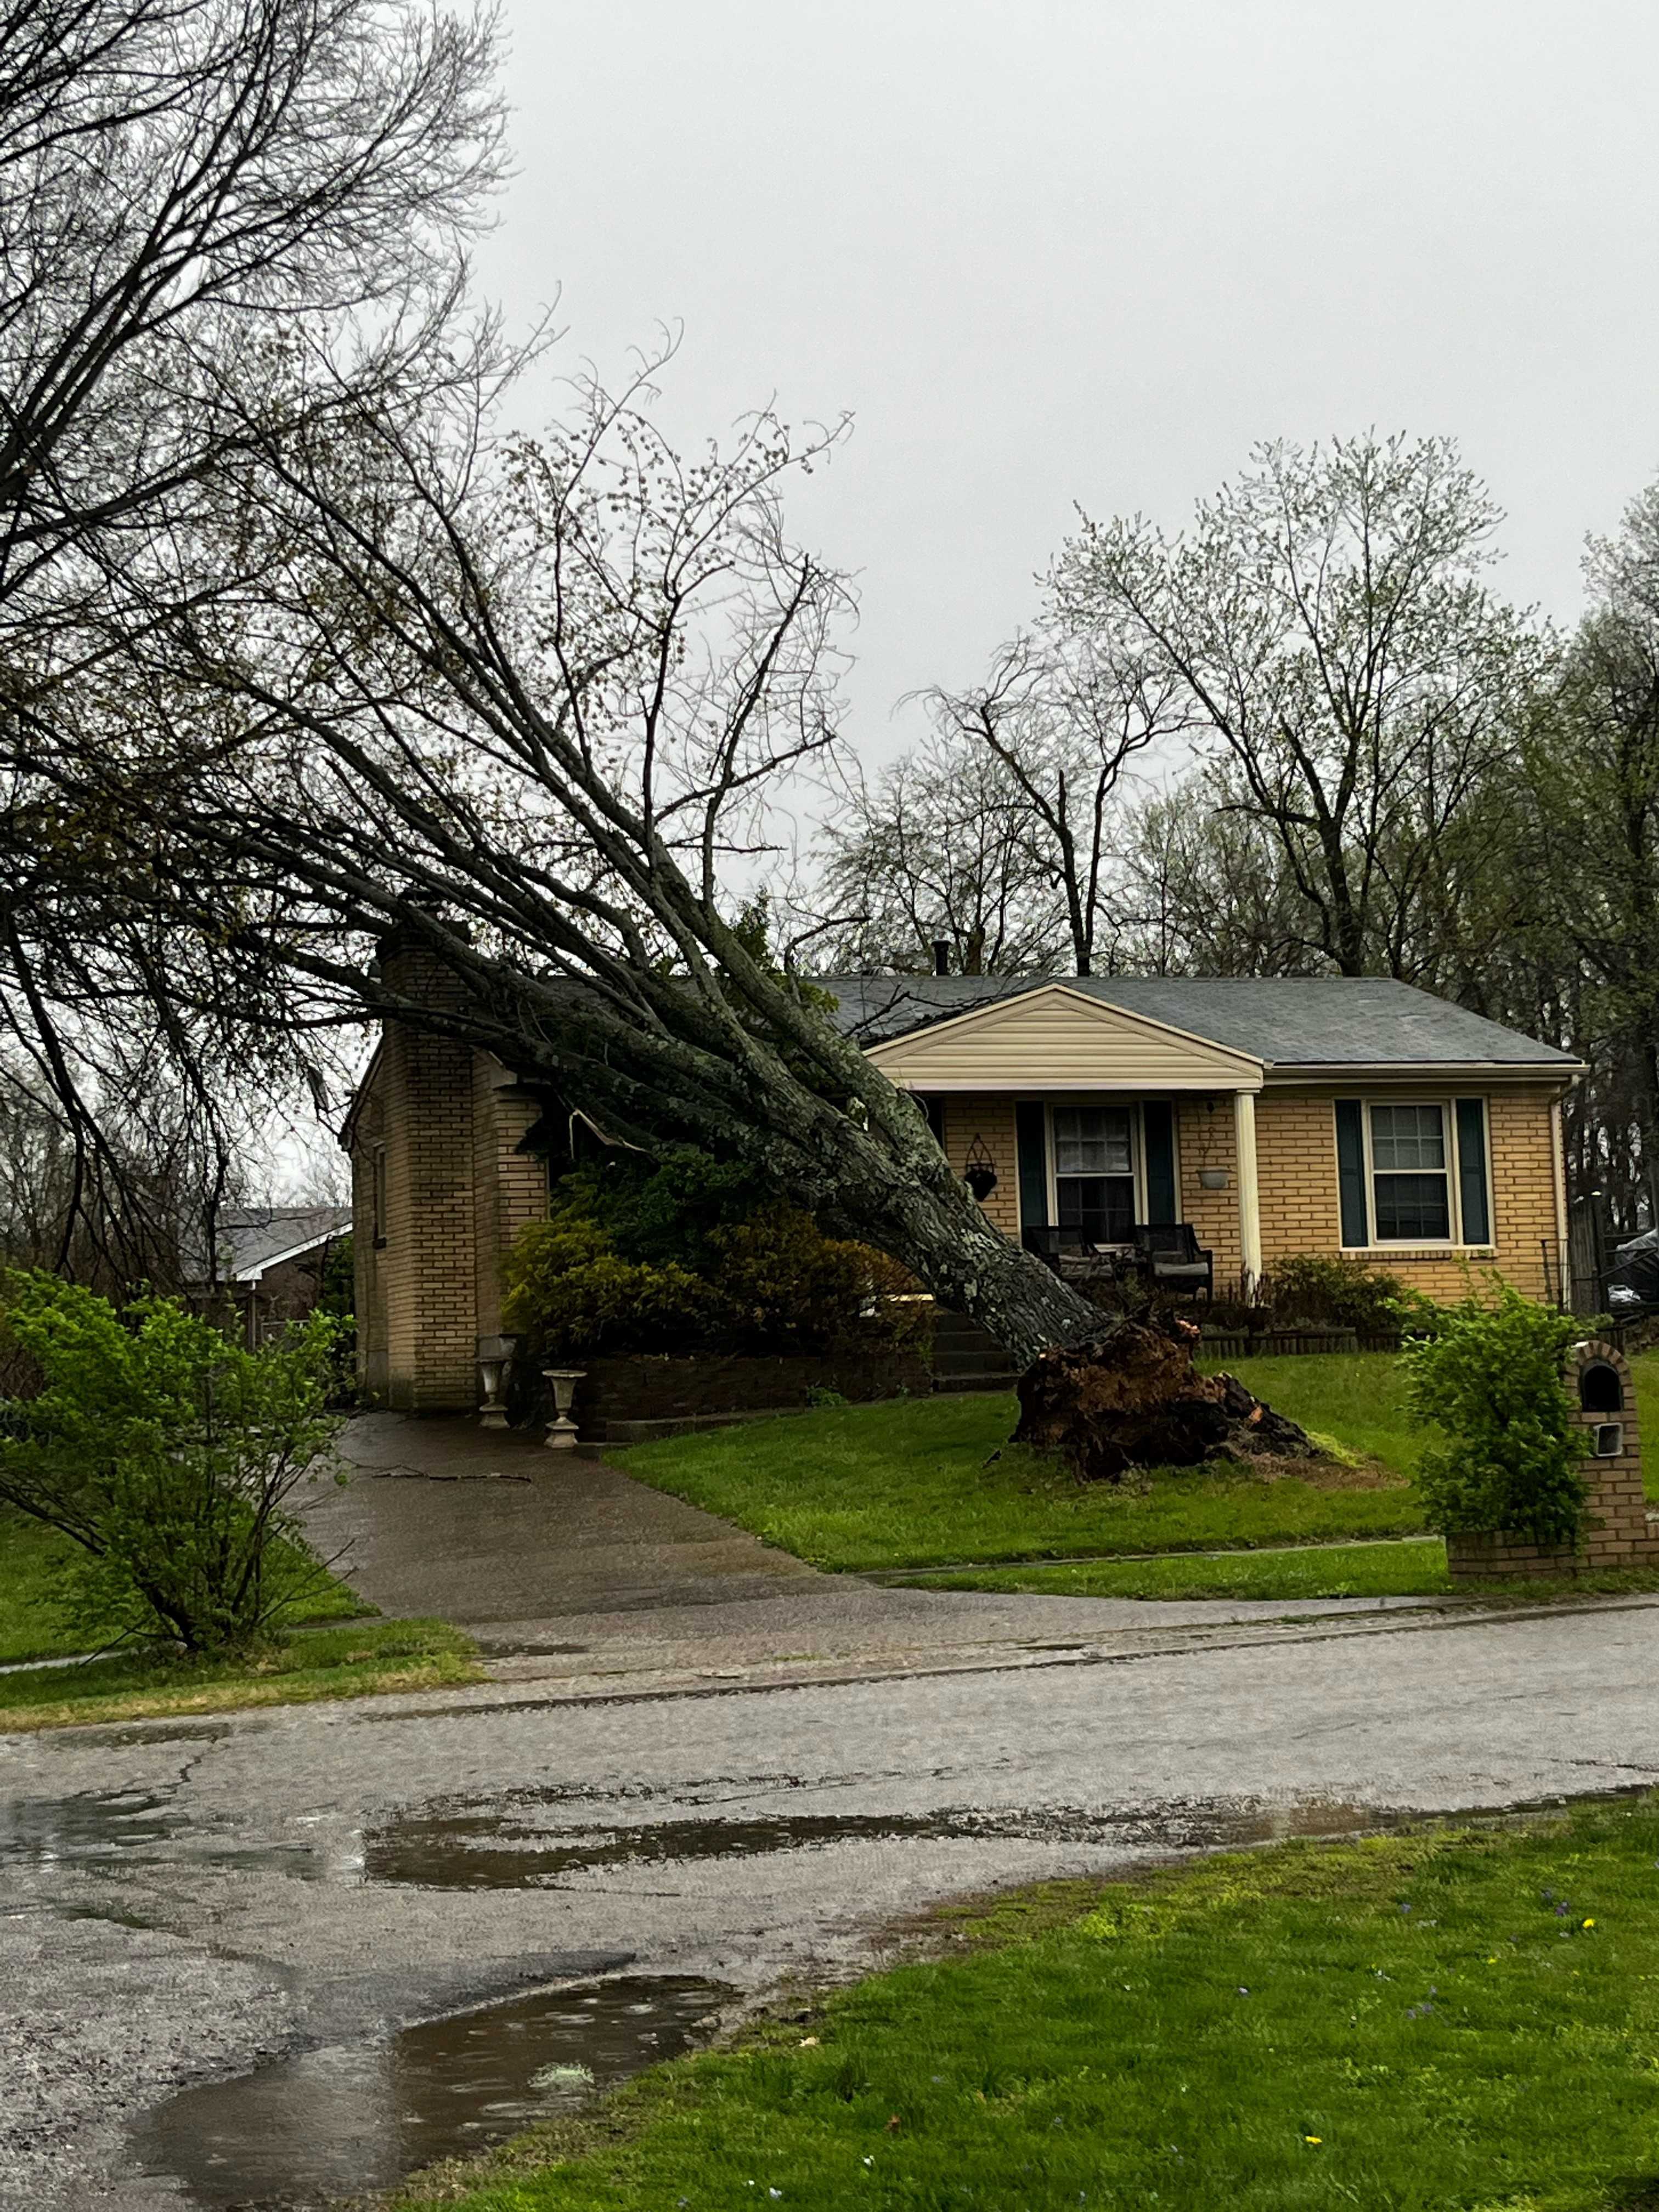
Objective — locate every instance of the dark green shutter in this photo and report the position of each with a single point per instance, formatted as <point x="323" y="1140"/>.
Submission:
<point x="1351" y="1172"/>
<point x="1031" y="1133"/>
<point x="1472" y="1170"/>
<point x="1158" y="1123"/>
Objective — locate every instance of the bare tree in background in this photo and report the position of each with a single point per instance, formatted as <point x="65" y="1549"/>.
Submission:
<point x="937" y="849"/>
<point x="1062" y="721"/>
<point x="1327" y="623"/>
<point x="997" y="834"/>
<point x="1200" y="890"/>
<point x="219" y="220"/>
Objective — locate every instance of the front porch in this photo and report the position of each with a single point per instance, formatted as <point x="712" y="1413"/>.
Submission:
<point x="1072" y="1168"/>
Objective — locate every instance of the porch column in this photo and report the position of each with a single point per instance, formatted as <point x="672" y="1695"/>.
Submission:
<point x="1249" y="1202"/>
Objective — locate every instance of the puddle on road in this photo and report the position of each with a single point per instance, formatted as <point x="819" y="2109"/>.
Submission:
<point x="101" y="1832"/>
<point x="502" y="1849"/>
<point x="335" y="2122"/>
<point x="505" y="1845"/>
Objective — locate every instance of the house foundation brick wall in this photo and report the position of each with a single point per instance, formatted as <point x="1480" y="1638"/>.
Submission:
<point x="702" y="1385"/>
<point x="1617" y="1531"/>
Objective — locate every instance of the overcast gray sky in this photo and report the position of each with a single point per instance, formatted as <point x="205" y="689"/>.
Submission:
<point x="1090" y="250"/>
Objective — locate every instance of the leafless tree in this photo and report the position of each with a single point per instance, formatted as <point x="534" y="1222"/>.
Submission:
<point x="937" y="849"/>
<point x="1327" y="622"/>
<point x="220" y="220"/>
<point x="1063" y="719"/>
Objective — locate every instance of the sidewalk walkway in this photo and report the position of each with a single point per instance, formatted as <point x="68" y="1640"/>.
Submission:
<point x="566" y="1566"/>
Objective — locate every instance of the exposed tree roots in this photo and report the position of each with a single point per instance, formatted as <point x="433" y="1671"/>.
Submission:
<point x="1134" y="1399"/>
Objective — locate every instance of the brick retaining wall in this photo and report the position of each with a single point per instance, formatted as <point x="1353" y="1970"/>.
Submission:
<point x="624" y="1393"/>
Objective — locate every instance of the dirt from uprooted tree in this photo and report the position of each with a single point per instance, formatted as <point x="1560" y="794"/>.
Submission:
<point x="1134" y="1399"/>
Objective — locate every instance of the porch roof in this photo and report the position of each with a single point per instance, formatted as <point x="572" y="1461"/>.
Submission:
<point x="1300" y="1023"/>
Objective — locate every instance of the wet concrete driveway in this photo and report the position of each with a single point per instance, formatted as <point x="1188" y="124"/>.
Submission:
<point x="306" y="1887"/>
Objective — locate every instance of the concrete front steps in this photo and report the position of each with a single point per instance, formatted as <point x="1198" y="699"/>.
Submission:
<point x="967" y="1357"/>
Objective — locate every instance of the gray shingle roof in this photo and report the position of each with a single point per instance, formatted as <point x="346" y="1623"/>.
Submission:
<point x="1284" y="1021"/>
<point x="251" y="1237"/>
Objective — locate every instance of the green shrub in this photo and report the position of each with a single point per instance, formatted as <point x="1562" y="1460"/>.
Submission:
<point x="166" y="1453"/>
<point x="681" y="1256"/>
<point x="1490" y="1381"/>
<point x="568" y="1294"/>
<point x="1319" y="1287"/>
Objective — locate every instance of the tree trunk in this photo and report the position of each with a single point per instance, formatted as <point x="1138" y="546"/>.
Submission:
<point x="942" y="1236"/>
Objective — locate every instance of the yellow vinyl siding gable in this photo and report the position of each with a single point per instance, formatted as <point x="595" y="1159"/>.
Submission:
<point x="1057" y="1040"/>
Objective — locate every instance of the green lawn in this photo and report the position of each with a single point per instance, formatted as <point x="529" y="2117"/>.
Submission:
<point x="906" y="1483"/>
<point x="33" y="1624"/>
<point x="1459" y="2019"/>
<point x="913" y="1483"/>
<point x="309" y="1664"/>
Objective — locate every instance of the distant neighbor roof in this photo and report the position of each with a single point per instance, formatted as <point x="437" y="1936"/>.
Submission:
<point x="254" y="1237"/>
<point x="1284" y="1021"/>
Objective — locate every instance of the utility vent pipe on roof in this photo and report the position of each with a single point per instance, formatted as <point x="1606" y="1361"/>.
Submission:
<point x="941" y="955"/>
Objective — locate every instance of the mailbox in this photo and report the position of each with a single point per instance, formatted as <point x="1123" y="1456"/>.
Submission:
<point x="1600" y="1391"/>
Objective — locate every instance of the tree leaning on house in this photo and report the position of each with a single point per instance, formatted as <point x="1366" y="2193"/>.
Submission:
<point x="361" y="666"/>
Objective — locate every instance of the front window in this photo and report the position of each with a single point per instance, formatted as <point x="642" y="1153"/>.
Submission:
<point x="1411" y="1175"/>
<point x="1095" y="1171"/>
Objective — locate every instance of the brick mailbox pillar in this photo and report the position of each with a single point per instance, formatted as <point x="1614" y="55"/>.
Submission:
<point x="1616" y="1531"/>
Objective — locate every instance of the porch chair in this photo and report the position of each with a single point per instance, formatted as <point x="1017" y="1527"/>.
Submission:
<point x="1167" y="1256"/>
<point x="1069" y="1252"/>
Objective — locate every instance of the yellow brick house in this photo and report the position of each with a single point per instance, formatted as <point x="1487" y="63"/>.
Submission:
<point x="1276" y="1115"/>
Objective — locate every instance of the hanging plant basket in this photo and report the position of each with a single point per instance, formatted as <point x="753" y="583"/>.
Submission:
<point x="980" y="1173"/>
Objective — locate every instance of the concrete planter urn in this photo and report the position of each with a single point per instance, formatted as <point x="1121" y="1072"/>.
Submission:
<point x="562" y="1431"/>
<point x="495" y="1356"/>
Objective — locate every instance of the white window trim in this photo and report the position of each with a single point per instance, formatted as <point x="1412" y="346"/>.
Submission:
<point x="1137" y="1145"/>
<point x="1423" y="1247"/>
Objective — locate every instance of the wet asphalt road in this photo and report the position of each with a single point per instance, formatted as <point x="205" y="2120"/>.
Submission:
<point x="177" y="1901"/>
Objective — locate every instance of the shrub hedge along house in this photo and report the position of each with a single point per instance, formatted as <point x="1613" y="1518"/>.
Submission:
<point x="1333" y="1115"/>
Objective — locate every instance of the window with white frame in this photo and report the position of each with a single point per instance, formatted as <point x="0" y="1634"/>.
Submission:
<point x="1411" y="1175"/>
<point x="1095" y="1171"/>
<point x="1414" y="1171"/>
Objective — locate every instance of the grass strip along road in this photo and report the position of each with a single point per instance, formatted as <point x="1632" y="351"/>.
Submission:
<point x="301" y="1662"/>
<point x="300" y="1668"/>
<point x="1445" y="2017"/>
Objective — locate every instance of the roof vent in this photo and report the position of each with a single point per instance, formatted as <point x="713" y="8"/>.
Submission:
<point x="941" y="955"/>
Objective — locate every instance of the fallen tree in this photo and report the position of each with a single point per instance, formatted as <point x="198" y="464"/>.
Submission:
<point x="389" y="683"/>
<point x="482" y="747"/>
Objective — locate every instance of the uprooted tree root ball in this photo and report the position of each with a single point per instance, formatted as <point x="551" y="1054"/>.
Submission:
<point x="1133" y="1398"/>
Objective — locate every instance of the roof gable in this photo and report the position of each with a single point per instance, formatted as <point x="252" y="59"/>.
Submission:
<point x="1053" y="1036"/>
